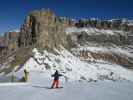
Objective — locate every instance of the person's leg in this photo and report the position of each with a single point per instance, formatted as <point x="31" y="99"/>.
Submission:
<point x="53" y="84"/>
<point x="57" y="83"/>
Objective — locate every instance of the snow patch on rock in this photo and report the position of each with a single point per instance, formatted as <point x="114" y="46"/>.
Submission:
<point x="93" y="31"/>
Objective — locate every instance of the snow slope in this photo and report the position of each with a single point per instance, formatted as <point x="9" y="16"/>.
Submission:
<point x="75" y="69"/>
<point x="37" y="90"/>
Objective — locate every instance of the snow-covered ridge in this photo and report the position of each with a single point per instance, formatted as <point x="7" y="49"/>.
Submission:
<point x="75" y="69"/>
<point x="93" y="31"/>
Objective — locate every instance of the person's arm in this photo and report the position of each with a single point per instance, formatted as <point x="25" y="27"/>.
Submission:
<point x="52" y="75"/>
<point x="60" y="75"/>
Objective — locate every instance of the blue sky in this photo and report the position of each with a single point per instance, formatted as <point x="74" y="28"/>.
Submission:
<point x="13" y="12"/>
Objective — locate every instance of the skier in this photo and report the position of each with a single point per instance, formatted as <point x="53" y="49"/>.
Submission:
<point x="56" y="76"/>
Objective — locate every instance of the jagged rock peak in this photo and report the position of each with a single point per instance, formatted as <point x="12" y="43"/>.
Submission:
<point x="44" y="29"/>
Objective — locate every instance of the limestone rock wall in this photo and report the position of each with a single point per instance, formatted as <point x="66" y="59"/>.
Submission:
<point x="43" y="29"/>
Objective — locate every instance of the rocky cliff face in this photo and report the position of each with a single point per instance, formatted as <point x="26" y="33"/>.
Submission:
<point x="43" y="29"/>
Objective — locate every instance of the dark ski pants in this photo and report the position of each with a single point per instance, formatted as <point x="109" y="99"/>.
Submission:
<point x="55" y="83"/>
